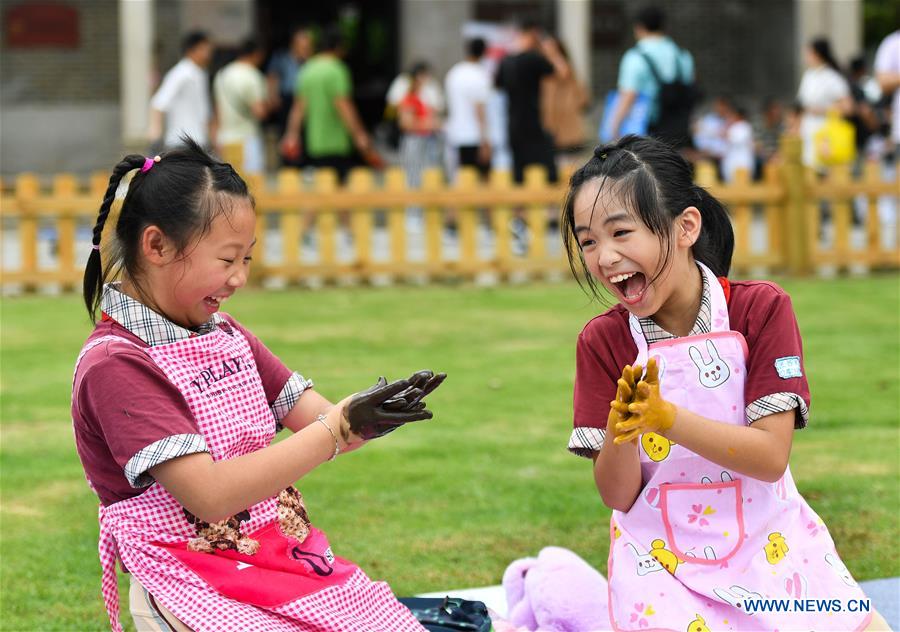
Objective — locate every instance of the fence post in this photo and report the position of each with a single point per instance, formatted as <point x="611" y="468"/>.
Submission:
<point x="65" y="185"/>
<point x="796" y="222"/>
<point x="28" y="189"/>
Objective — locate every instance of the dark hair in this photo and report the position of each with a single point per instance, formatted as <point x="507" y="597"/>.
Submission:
<point x="529" y="24"/>
<point x="297" y="29"/>
<point x="192" y="40"/>
<point x="475" y="47"/>
<point x="651" y="18"/>
<point x="332" y="38"/>
<point x="656" y="183"/>
<point x="249" y="46"/>
<point x="822" y="47"/>
<point x="857" y="64"/>
<point x="771" y="101"/>
<point x="419" y="67"/>
<point x="181" y="194"/>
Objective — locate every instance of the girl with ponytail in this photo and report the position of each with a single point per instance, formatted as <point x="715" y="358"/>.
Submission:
<point x="175" y="406"/>
<point x="687" y="393"/>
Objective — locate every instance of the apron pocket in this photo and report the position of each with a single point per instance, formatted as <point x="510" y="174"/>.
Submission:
<point x="704" y="521"/>
<point x="281" y="571"/>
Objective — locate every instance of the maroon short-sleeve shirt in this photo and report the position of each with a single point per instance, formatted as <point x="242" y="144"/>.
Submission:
<point x="122" y="403"/>
<point x="760" y="310"/>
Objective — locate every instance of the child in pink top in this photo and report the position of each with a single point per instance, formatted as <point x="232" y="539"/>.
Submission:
<point x="175" y="406"/>
<point x="692" y="455"/>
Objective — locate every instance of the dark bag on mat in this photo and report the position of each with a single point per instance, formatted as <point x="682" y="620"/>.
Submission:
<point x="449" y="614"/>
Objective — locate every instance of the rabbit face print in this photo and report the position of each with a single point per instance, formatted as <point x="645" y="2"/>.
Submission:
<point x="646" y="563"/>
<point x="713" y="373"/>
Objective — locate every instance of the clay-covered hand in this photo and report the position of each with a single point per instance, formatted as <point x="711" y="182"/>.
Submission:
<point x="421" y="383"/>
<point x="366" y="416"/>
<point x="618" y="408"/>
<point x="649" y="411"/>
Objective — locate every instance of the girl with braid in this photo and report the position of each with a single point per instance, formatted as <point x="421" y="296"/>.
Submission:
<point x="175" y="405"/>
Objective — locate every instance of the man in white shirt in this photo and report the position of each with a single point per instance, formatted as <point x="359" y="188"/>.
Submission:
<point x="242" y="104"/>
<point x="468" y="87"/>
<point x="182" y="100"/>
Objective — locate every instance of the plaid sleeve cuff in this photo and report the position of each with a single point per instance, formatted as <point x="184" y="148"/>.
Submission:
<point x="289" y="395"/>
<point x="779" y="403"/>
<point x="585" y="441"/>
<point x="160" y="452"/>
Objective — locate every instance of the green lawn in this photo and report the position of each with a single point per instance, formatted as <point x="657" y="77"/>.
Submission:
<point x="448" y="503"/>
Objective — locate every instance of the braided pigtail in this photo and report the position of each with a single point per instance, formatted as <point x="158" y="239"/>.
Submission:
<point x="93" y="270"/>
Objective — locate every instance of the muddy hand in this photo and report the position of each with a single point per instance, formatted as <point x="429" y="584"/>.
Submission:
<point x="618" y="408"/>
<point x="367" y="417"/>
<point x="421" y="384"/>
<point x="649" y="411"/>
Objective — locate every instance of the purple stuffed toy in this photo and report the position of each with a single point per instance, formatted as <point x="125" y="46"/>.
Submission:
<point x="557" y="591"/>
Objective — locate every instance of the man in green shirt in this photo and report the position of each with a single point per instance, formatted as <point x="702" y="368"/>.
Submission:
<point x="324" y="100"/>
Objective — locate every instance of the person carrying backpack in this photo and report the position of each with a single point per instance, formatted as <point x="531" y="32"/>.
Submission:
<point x="662" y="71"/>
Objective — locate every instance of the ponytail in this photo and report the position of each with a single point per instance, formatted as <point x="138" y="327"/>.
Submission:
<point x="715" y="245"/>
<point x="180" y="193"/>
<point x="94" y="275"/>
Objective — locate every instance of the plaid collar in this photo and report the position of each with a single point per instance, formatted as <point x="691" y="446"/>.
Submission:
<point x="703" y="325"/>
<point x="146" y="324"/>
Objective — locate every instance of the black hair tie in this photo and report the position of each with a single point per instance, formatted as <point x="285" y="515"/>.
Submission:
<point x="600" y="153"/>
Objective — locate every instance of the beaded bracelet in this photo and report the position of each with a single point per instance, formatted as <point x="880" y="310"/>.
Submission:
<point x="337" y="448"/>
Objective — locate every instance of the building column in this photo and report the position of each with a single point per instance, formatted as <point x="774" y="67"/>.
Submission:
<point x="135" y="67"/>
<point x="838" y="20"/>
<point x="573" y="23"/>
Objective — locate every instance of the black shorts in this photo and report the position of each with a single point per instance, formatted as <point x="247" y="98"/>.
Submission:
<point x="468" y="157"/>
<point x="535" y="151"/>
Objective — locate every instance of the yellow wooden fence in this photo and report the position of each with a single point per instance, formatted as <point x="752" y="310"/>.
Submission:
<point x="375" y="228"/>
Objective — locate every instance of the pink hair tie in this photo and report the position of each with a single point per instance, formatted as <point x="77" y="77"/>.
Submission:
<point x="95" y="247"/>
<point x="148" y="164"/>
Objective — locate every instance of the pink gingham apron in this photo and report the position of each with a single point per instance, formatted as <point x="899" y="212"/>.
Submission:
<point x="700" y="539"/>
<point x="286" y="585"/>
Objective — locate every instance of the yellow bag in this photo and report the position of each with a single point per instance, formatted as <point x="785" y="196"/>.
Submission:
<point x="835" y="141"/>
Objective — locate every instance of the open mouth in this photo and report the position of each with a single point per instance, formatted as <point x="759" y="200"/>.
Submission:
<point x="630" y="285"/>
<point x="214" y="302"/>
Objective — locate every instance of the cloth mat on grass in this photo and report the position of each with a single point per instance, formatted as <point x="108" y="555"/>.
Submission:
<point x="883" y="593"/>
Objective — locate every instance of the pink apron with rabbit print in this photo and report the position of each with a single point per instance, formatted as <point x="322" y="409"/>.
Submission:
<point x="288" y="583"/>
<point x="700" y="539"/>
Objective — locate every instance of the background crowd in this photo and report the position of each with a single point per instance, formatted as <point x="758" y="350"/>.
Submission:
<point x="518" y="106"/>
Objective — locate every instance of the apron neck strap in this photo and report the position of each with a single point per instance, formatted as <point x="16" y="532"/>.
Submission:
<point x="718" y="313"/>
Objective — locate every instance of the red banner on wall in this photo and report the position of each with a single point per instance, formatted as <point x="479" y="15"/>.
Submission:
<point x="41" y="25"/>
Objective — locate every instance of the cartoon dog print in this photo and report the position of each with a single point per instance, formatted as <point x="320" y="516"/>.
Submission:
<point x="776" y="549"/>
<point x="664" y="556"/>
<point x="656" y="446"/>
<point x="646" y="563"/>
<point x="736" y="595"/>
<point x="713" y="373"/>
<point x="840" y="568"/>
<point x="697" y="625"/>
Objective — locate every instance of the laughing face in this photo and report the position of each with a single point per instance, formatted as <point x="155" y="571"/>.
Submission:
<point x="627" y="258"/>
<point x="188" y="288"/>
